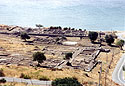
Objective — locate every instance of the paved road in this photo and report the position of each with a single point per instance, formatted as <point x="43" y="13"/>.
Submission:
<point x="117" y="75"/>
<point x="120" y="35"/>
<point x="27" y="81"/>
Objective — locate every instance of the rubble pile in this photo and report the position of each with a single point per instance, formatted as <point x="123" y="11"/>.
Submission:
<point x="68" y="32"/>
<point x="49" y="40"/>
<point x="87" y="59"/>
<point x="84" y="60"/>
<point x="53" y="31"/>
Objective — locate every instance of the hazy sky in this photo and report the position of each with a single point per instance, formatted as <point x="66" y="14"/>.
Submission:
<point x="79" y="13"/>
<point x="65" y="3"/>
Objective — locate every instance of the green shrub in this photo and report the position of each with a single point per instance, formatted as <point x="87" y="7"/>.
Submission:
<point x="93" y="36"/>
<point x="109" y="39"/>
<point x="68" y="56"/>
<point x="90" y="82"/>
<point x="120" y="43"/>
<point x="103" y="70"/>
<point x="67" y="81"/>
<point x="45" y="78"/>
<point x="25" y="76"/>
<point x="1" y="73"/>
<point x="24" y="36"/>
<point x="123" y="67"/>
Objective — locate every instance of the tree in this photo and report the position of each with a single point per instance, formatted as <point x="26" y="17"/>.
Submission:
<point x="109" y="39"/>
<point x="67" y="81"/>
<point x="93" y="36"/>
<point x="120" y="43"/>
<point x="39" y="25"/>
<point x="39" y="57"/>
<point x="24" y="36"/>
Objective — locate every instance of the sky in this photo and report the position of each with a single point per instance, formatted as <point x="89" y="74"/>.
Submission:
<point x="88" y="14"/>
<point x="65" y="3"/>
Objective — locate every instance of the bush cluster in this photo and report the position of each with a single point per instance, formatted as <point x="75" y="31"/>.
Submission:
<point x="2" y="80"/>
<point x="67" y="81"/>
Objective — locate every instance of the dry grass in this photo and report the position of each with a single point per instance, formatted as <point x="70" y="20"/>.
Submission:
<point x="15" y="71"/>
<point x="15" y="45"/>
<point x="14" y="84"/>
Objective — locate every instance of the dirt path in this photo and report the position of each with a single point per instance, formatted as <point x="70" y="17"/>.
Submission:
<point x="27" y="81"/>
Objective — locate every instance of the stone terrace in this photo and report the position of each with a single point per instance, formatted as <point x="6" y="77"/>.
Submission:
<point x="85" y="60"/>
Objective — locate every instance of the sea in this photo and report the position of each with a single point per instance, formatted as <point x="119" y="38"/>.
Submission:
<point x="99" y="15"/>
